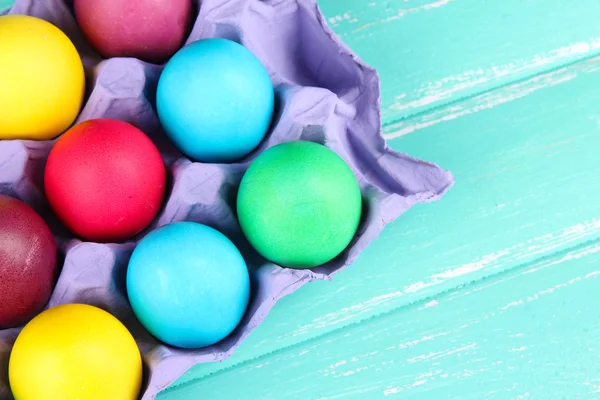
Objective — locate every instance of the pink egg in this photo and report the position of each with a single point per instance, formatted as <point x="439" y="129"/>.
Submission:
<point x="151" y="30"/>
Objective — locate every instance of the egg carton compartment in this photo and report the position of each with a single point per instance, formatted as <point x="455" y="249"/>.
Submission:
<point x="324" y="93"/>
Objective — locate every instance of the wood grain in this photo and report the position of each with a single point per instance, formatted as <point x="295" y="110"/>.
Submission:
<point x="431" y="52"/>
<point x="530" y="333"/>
<point x="525" y="159"/>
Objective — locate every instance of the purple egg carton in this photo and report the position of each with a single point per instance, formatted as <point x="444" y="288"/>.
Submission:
<point x="324" y="93"/>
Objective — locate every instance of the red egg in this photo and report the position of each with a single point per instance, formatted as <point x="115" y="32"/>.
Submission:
<point x="105" y="180"/>
<point x="151" y="30"/>
<point x="27" y="262"/>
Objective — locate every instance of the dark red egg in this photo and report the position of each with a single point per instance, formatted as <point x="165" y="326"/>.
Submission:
<point x="28" y="256"/>
<point x="105" y="180"/>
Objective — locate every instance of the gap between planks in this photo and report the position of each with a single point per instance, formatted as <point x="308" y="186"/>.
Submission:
<point x="489" y="98"/>
<point x="573" y="252"/>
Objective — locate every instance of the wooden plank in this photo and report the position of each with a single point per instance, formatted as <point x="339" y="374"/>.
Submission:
<point x="431" y="52"/>
<point x="525" y="159"/>
<point x="527" y="334"/>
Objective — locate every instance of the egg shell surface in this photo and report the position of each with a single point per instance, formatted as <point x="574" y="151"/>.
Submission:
<point x="215" y="100"/>
<point x="188" y="284"/>
<point x="105" y="180"/>
<point x="299" y="204"/>
<point x="28" y="262"/>
<point x="75" y="352"/>
<point x="151" y="30"/>
<point x="38" y="100"/>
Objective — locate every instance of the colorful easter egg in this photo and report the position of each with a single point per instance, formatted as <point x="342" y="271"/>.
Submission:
<point x="42" y="81"/>
<point x="215" y="100"/>
<point x="299" y="204"/>
<point x="28" y="262"/>
<point x="188" y="284"/>
<point x="105" y="180"/>
<point x="151" y="30"/>
<point x="75" y="352"/>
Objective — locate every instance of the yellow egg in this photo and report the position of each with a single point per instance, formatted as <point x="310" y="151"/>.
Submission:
<point x="75" y="352"/>
<point x="42" y="81"/>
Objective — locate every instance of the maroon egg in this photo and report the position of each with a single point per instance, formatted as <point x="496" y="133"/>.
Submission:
<point x="28" y="258"/>
<point x="151" y="30"/>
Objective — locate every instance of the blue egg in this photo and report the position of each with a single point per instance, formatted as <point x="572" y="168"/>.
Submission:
<point x="188" y="284"/>
<point x="215" y="100"/>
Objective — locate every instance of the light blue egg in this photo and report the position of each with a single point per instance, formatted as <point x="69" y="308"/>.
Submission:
<point x="215" y="100"/>
<point x="188" y="284"/>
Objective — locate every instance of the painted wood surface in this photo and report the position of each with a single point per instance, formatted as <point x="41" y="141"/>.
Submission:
<point x="525" y="159"/>
<point x="490" y="292"/>
<point x="530" y="333"/>
<point x="431" y="52"/>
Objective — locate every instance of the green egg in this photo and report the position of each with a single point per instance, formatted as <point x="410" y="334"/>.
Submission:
<point x="299" y="204"/>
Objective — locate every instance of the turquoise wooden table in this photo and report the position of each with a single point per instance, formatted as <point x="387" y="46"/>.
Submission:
<point x="490" y="293"/>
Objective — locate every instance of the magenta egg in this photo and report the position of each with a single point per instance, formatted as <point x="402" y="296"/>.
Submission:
<point x="151" y="30"/>
<point x="28" y="262"/>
